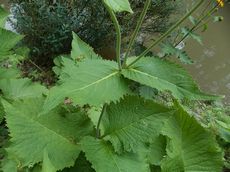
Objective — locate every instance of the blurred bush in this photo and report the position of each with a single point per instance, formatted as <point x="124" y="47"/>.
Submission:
<point x="47" y="24"/>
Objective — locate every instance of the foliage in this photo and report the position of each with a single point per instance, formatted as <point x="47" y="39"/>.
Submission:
<point x="95" y="119"/>
<point x="88" y="19"/>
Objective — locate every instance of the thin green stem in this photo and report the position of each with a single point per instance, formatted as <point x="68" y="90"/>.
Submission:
<point x="99" y="121"/>
<point x="166" y="34"/>
<point x="118" y="35"/>
<point x="134" y="35"/>
<point x="210" y="12"/>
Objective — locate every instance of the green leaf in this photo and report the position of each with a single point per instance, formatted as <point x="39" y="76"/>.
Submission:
<point x="8" y="165"/>
<point x="157" y="150"/>
<point x="3" y="17"/>
<point x="94" y="115"/>
<point x="47" y="165"/>
<point x="57" y="133"/>
<point x="119" y="5"/>
<point x="8" y="40"/>
<point x="21" y="88"/>
<point x="193" y="20"/>
<point x="81" y="50"/>
<point x="9" y="73"/>
<point x="169" y="49"/>
<point x="104" y="159"/>
<point x="166" y="76"/>
<point x="193" y="35"/>
<point x="224" y="129"/>
<point x="147" y="92"/>
<point x="89" y="82"/>
<point x="133" y="122"/>
<point x="190" y="147"/>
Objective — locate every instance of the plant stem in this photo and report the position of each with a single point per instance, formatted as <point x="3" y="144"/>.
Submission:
<point x="118" y="35"/>
<point x="166" y="34"/>
<point x="99" y="121"/>
<point x="134" y="36"/>
<point x="197" y="24"/>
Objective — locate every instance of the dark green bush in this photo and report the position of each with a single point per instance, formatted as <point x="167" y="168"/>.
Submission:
<point x="47" y="25"/>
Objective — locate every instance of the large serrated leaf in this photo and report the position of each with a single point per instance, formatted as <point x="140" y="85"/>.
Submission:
<point x="8" y="40"/>
<point x="166" y="76"/>
<point x="57" y="133"/>
<point x="81" y="50"/>
<point x="104" y="159"/>
<point x="119" y="5"/>
<point x="133" y="122"/>
<point x="9" y="73"/>
<point x="190" y="147"/>
<point x="93" y="82"/>
<point x="21" y="88"/>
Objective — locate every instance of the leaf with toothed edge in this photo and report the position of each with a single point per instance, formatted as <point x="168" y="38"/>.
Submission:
<point x="92" y="82"/>
<point x="166" y="76"/>
<point x="58" y="133"/>
<point x="133" y="122"/>
<point x="190" y="147"/>
<point x="81" y="50"/>
<point x="103" y="158"/>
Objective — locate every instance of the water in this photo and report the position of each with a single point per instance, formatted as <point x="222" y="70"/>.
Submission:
<point x="212" y="60"/>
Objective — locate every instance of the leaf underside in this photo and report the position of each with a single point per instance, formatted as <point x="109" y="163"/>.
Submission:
<point x="166" y="76"/>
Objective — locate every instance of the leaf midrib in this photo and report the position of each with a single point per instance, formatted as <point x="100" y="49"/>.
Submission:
<point x="166" y="82"/>
<point x="134" y="122"/>
<point x="94" y="83"/>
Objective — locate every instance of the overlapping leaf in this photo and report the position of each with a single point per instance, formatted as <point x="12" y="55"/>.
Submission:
<point x="191" y="147"/>
<point x="157" y="150"/>
<point x="91" y="82"/>
<point x="133" y="122"/>
<point x="119" y="5"/>
<point x="81" y="50"/>
<point x="9" y="73"/>
<point x="21" y="88"/>
<point x="164" y="76"/>
<point x="104" y="159"/>
<point x="8" y="40"/>
<point x="57" y="133"/>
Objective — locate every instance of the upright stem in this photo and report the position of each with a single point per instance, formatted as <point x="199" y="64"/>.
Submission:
<point x="134" y="35"/>
<point x="99" y="121"/>
<point x="165" y="35"/>
<point x="118" y="35"/>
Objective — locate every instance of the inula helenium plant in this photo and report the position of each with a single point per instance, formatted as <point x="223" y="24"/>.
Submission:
<point x="100" y="115"/>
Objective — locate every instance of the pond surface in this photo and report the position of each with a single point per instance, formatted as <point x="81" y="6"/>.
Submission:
<point x="212" y="60"/>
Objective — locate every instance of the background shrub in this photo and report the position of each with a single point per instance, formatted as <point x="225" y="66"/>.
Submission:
<point x="47" y="25"/>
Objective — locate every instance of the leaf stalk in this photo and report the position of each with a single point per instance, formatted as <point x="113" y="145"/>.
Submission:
<point x="135" y="33"/>
<point x="99" y="121"/>
<point x="118" y="34"/>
